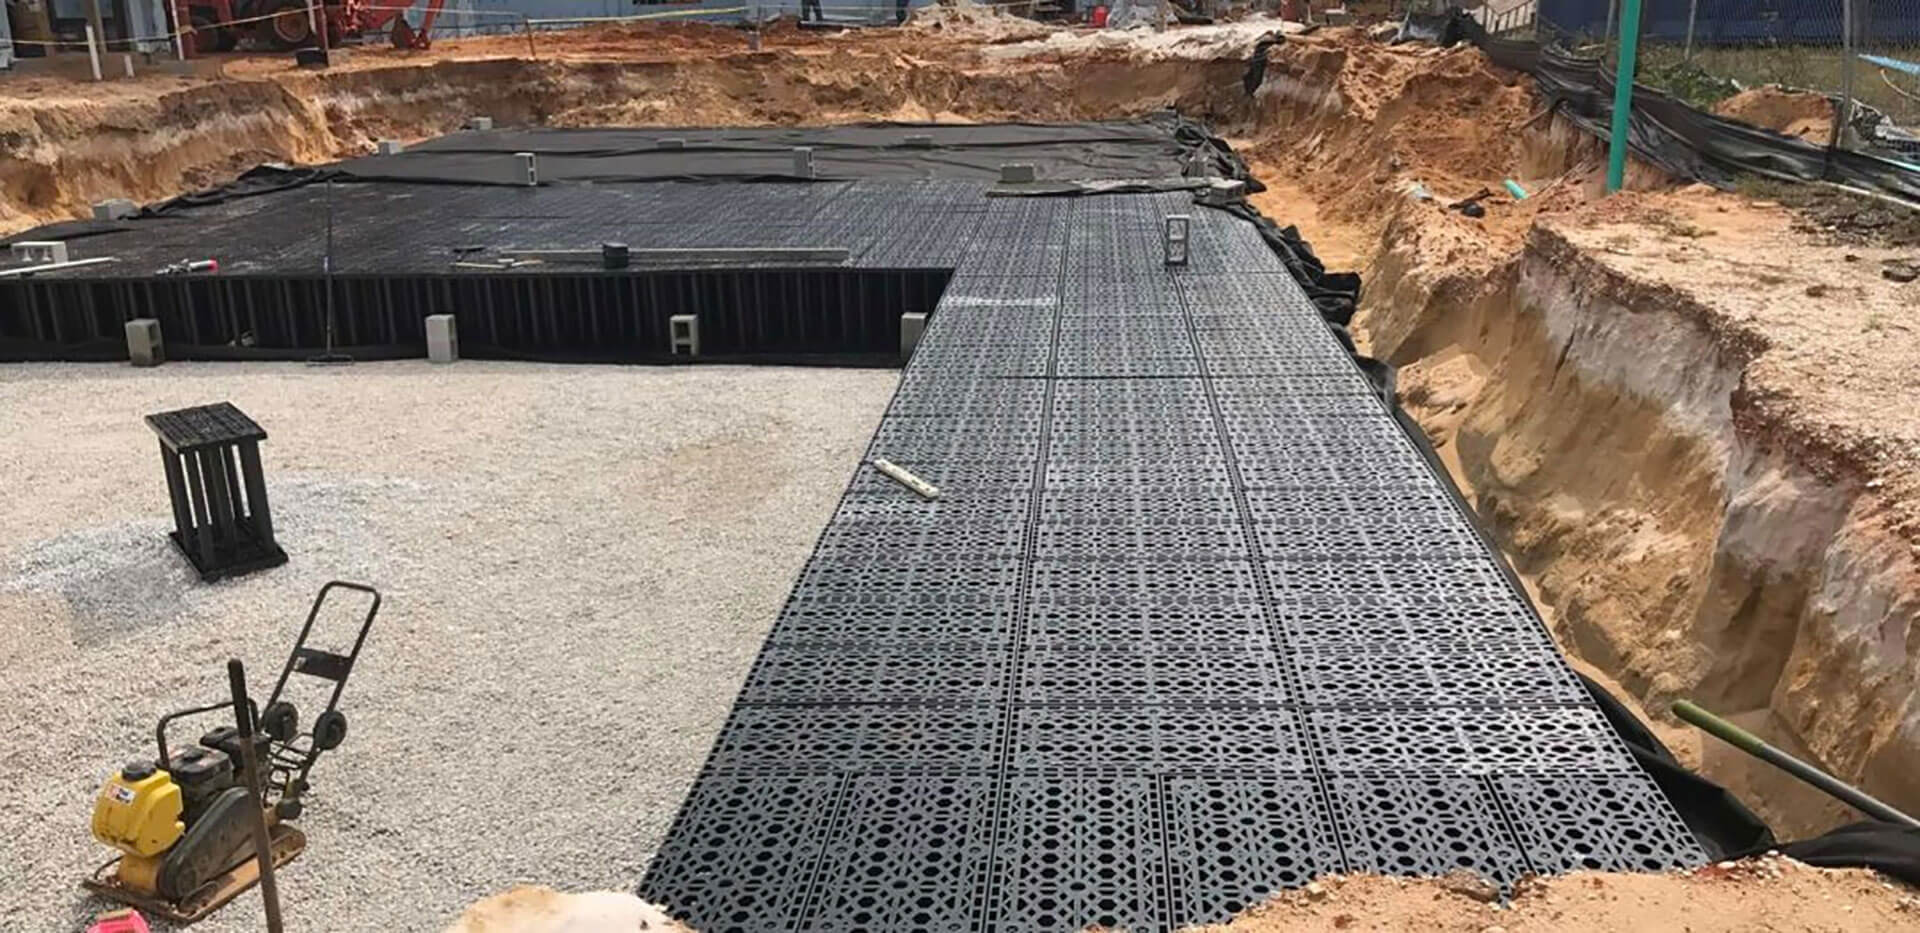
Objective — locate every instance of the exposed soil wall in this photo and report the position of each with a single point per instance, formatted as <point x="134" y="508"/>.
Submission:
<point x="1596" y="428"/>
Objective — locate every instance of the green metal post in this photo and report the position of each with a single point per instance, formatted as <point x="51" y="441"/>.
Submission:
<point x="1623" y="72"/>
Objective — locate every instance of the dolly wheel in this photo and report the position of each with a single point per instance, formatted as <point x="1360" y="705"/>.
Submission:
<point x="280" y="720"/>
<point x="329" y="730"/>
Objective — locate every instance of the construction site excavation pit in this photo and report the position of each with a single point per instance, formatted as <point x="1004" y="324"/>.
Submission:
<point x="1195" y="619"/>
<point x="1191" y="621"/>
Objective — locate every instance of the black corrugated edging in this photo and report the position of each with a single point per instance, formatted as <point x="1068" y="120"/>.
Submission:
<point x="823" y="316"/>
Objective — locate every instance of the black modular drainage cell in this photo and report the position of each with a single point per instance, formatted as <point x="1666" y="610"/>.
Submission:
<point x="761" y="313"/>
<point x="1193" y="622"/>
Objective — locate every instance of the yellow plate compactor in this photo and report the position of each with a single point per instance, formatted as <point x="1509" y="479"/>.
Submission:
<point x="184" y="822"/>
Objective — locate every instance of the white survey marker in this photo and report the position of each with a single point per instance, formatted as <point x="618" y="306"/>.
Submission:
<point x="899" y="474"/>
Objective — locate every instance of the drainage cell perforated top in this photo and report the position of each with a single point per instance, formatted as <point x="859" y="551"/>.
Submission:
<point x="1194" y="622"/>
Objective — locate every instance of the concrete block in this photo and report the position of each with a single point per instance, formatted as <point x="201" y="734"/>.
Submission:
<point x="912" y="326"/>
<point x="443" y="338"/>
<point x="1017" y="174"/>
<point x="920" y="140"/>
<point x="114" y="209"/>
<point x="527" y="163"/>
<point x="671" y="142"/>
<point x="389" y="147"/>
<point x="1177" y="235"/>
<point x="144" y="346"/>
<point x="40" y="251"/>
<point x="683" y="335"/>
<point x="480" y="123"/>
<point x="802" y="162"/>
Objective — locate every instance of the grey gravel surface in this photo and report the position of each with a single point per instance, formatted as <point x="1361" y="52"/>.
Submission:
<point x="579" y="564"/>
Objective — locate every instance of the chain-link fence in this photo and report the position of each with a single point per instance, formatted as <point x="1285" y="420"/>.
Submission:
<point x="1707" y="51"/>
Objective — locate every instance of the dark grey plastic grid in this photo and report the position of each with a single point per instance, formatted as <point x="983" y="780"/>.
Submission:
<point x="1193" y="622"/>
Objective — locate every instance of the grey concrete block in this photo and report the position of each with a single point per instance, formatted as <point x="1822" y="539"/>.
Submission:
<point x="443" y="338"/>
<point x="683" y="335"/>
<point x="1228" y="187"/>
<point x="1177" y="235"/>
<point x="40" y="251"/>
<point x="912" y="326"/>
<point x="114" y="209"/>
<point x="920" y="140"/>
<point x="803" y="162"/>
<point x="144" y="346"/>
<point x="1017" y="174"/>
<point x="671" y="142"/>
<point x="389" y="147"/>
<point x="479" y="123"/>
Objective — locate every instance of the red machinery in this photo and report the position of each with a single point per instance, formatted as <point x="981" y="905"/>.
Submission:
<point x="219" y="25"/>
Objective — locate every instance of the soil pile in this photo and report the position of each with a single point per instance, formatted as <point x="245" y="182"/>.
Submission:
<point x="1772" y="107"/>
<point x="1763" y="894"/>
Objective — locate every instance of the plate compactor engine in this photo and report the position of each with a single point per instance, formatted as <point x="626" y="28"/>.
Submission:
<point x="184" y="823"/>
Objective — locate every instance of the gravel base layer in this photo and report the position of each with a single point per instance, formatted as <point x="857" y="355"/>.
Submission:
<point x="579" y="564"/>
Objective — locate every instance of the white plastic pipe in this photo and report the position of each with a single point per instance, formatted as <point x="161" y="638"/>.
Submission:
<point x="901" y="475"/>
<point x="93" y="51"/>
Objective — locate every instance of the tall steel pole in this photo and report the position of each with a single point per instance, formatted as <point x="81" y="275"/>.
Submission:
<point x="1846" y="72"/>
<point x="1623" y="72"/>
<point x="1693" y="14"/>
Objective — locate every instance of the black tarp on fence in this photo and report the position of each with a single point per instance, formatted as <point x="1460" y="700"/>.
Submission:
<point x="1678" y="138"/>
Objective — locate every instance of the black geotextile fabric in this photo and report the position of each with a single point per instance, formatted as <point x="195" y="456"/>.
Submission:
<point x="1724" y="825"/>
<point x="1160" y="152"/>
<point x="1257" y="62"/>
<point x="1666" y="132"/>
<point x="1143" y="148"/>
<point x="1160" y="146"/>
<point x="1884" y="847"/>
<point x="1151" y="153"/>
